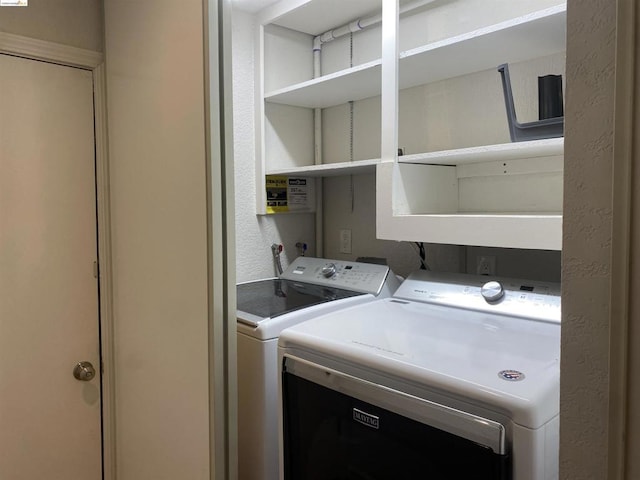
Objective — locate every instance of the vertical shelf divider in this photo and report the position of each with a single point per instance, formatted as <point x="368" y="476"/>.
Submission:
<point x="389" y="120"/>
<point x="389" y="106"/>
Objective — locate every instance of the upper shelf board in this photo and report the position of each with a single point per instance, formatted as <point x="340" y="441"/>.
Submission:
<point x="355" y="83"/>
<point x="330" y="169"/>
<point x="319" y="16"/>
<point x="530" y="36"/>
<point x="504" y="151"/>
<point x="463" y="156"/>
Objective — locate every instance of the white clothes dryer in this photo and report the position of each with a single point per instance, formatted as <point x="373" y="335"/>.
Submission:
<point x="455" y="376"/>
<point x="307" y="288"/>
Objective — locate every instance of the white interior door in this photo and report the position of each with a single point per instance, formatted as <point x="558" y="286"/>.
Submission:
<point x="49" y="421"/>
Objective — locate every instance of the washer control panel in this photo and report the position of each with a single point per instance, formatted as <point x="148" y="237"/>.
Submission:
<point x="521" y="298"/>
<point x="355" y="276"/>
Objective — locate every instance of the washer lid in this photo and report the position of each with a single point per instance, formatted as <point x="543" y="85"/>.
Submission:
<point x="507" y="364"/>
<point x="273" y="297"/>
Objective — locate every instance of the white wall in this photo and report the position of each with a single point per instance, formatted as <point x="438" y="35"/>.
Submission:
<point x="154" y="54"/>
<point x="515" y="263"/>
<point x="402" y="257"/>
<point x="255" y="234"/>
<point x="70" y="22"/>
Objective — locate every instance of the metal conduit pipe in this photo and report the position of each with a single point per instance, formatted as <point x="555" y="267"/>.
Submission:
<point x="361" y="24"/>
<point x="317" y="120"/>
<point x="317" y="141"/>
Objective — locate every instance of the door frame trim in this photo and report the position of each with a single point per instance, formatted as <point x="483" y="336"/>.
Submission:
<point x="623" y="432"/>
<point x="92" y="61"/>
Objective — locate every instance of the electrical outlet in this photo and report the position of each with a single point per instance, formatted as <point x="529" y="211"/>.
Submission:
<point x="345" y="241"/>
<point x="486" y="265"/>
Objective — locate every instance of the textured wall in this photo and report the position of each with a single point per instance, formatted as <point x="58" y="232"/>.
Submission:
<point x="77" y="23"/>
<point x="255" y="234"/>
<point x="587" y="238"/>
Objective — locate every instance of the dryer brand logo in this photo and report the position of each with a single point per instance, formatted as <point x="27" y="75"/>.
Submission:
<point x="366" y="419"/>
<point x="511" y="375"/>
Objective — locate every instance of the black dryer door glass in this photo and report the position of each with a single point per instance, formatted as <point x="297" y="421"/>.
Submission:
<point x="324" y="442"/>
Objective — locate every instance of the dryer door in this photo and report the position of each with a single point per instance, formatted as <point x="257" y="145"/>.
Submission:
<point x="336" y="426"/>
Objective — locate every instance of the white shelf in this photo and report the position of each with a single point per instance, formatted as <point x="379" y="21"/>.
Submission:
<point x="432" y="202"/>
<point x="501" y="152"/>
<point x="315" y="17"/>
<point x="527" y="231"/>
<point x="330" y="169"/>
<point x="535" y="35"/>
<point x="463" y="156"/>
<point x="341" y="87"/>
<point x="506" y="195"/>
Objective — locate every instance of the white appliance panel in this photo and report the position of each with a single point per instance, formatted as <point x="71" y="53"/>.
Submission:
<point x="487" y="347"/>
<point x="456" y="351"/>
<point x="308" y="288"/>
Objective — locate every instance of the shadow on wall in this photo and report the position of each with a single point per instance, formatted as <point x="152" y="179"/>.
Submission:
<point x="515" y="263"/>
<point x="349" y="204"/>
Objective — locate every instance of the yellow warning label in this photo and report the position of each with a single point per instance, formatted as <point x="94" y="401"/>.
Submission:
<point x="288" y="194"/>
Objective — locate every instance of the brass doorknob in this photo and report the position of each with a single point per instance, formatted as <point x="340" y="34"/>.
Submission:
<point x="84" y="371"/>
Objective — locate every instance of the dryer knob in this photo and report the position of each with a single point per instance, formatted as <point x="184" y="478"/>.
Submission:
<point x="329" y="270"/>
<point x="492" y="291"/>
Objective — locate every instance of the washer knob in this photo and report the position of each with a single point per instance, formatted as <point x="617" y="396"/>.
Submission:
<point x="492" y="291"/>
<point x="329" y="270"/>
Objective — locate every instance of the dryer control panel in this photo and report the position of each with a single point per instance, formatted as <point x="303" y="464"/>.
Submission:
<point x="507" y="296"/>
<point x="354" y="276"/>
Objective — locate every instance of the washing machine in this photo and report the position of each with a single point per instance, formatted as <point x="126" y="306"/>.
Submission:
<point x="307" y="288"/>
<point x="453" y="377"/>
